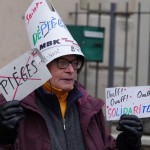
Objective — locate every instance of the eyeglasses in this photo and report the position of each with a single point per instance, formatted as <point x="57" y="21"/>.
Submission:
<point x="63" y="63"/>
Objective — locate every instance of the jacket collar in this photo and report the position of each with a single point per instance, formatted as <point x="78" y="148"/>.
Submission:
<point x="88" y="106"/>
<point x="86" y="103"/>
<point x="49" y="99"/>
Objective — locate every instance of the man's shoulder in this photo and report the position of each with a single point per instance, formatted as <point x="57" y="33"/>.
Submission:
<point x="87" y="98"/>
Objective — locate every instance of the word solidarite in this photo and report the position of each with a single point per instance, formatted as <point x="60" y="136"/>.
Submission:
<point x="130" y="110"/>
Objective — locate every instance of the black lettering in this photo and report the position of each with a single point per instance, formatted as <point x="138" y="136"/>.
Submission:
<point x="139" y="94"/>
<point x="3" y="83"/>
<point x="23" y="75"/>
<point x="56" y="42"/>
<point x="16" y="77"/>
<point x="32" y="63"/>
<point x="148" y="93"/>
<point x="49" y="43"/>
<point x="112" y="102"/>
<point x="144" y="95"/>
<point x="29" y="70"/>
<point x="108" y="94"/>
<point x="42" y="46"/>
<point x="10" y="82"/>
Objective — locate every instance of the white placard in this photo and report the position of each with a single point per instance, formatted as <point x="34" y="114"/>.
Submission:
<point x="22" y="76"/>
<point x="127" y="100"/>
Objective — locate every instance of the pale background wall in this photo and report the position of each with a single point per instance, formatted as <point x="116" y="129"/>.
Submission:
<point x="14" y="40"/>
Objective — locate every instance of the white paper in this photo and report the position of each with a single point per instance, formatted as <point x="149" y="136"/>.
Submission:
<point x="127" y="100"/>
<point x="48" y="33"/>
<point x="22" y="76"/>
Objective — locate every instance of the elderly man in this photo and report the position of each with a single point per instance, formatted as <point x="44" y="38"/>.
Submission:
<point x="60" y="115"/>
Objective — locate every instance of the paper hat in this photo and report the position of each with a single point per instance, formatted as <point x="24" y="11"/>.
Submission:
<point x="48" y="33"/>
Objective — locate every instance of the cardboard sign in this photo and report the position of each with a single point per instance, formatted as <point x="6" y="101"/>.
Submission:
<point x="22" y="76"/>
<point x="127" y="100"/>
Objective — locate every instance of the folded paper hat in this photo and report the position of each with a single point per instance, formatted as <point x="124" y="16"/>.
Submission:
<point x="48" y="33"/>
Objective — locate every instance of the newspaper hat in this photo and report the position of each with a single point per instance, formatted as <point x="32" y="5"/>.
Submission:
<point x="48" y="33"/>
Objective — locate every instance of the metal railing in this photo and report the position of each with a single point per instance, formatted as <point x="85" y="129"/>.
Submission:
<point x="112" y="45"/>
<point x="139" y="57"/>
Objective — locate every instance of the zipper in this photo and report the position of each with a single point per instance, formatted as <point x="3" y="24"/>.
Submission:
<point x="64" y="124"/>
<point x="64" y="127"/>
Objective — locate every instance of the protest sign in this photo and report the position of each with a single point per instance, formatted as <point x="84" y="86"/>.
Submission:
<point x="22" y="76"/>
<point x="127" y="100"/>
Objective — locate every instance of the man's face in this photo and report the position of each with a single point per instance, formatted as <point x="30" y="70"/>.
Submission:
<point x="63" y="78"/>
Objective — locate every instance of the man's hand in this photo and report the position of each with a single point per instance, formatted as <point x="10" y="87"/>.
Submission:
<point x="11" y="113"/>
<point x="130" y="138"/>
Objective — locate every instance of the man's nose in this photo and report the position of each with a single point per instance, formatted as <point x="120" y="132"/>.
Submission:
<point x="70" y="68"/>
